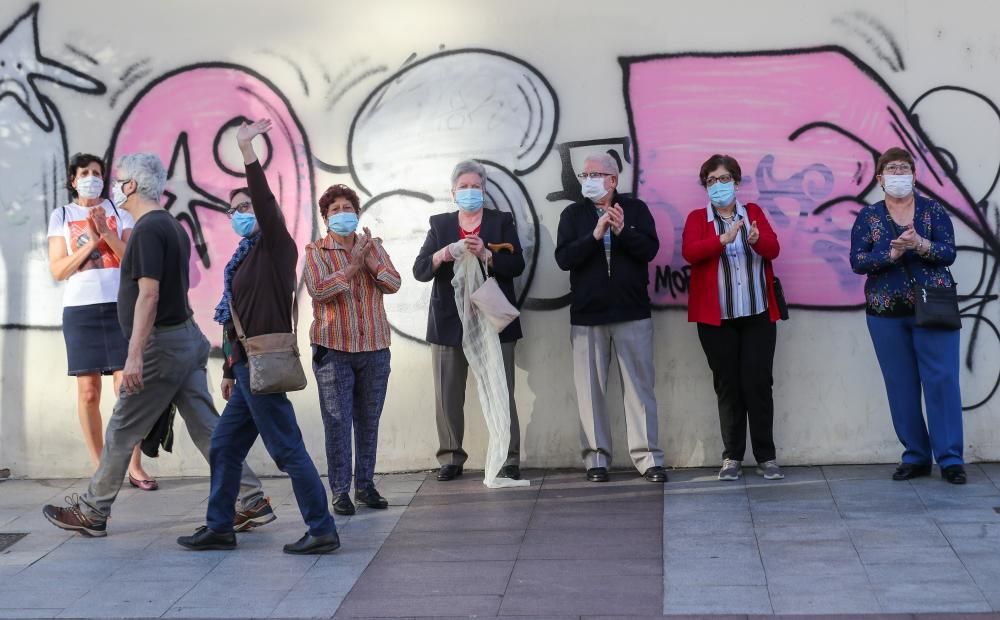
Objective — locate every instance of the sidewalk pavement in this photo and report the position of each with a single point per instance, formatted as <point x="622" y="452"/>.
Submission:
<point x="827" y="540"/>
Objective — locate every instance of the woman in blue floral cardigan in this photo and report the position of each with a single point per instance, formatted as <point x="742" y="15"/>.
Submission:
<point x="914" y="360"/>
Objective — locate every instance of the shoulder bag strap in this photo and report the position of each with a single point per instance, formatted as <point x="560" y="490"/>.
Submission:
<point x="236" y="323"/>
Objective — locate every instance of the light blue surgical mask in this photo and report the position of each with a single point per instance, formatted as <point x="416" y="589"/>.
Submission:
<point x="244" y="223"/>
<point x="722" y="194"/>
<point x="343" y="223"/>
<point x="470" y="200"/>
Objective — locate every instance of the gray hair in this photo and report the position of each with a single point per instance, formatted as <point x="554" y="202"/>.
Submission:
<point x="607" y="162"/>
<point x="464" y="167"/>
<point x="146" y="170"/>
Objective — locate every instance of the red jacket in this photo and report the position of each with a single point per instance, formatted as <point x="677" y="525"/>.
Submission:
<point x="701" y="247"/>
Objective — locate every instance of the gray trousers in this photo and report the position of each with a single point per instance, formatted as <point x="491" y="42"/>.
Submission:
<point x="173" y="371"/>
<point x="633" y="345"/>
<point x="451" y="371"/>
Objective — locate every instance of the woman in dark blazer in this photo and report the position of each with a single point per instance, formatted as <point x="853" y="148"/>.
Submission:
<point x="730" y="247"/>
<point x="491" y="236"/>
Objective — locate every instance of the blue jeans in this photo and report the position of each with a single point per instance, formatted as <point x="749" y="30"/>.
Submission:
<point x="915" y="360"/>
<point x="352" y="390"/>
<point x="271" y="415"/>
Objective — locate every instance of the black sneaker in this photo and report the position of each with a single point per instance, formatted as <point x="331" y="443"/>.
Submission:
<point x="205" y="539"/>
<point x="371" y="498"/>
<point x="342" y="505"/>
<point x="260" y="513"/>
<point x="510" y="471"/>
<point x="72" y="518"/>
<point x="314" y="545"/>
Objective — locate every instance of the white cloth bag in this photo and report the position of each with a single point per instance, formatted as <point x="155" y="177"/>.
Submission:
<point x="481" y="345"/>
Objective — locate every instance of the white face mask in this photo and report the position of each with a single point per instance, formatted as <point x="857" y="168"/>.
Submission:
<point x="89" y="187"/>
<point x="118" y="196"/>
<point x="898" y="185"/>
<point x="594" y="188"/>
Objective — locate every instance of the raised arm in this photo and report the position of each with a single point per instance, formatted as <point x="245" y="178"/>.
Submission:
<point x="265" y="206"/>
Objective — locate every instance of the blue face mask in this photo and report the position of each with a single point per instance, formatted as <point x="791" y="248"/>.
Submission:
<point x="244" y="223"/>
<point x="470" y="200"/>
<point x="722" y="194"/>
<point x="343" y="224"/>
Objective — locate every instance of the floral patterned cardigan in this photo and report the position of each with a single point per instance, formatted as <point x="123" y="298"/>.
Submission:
<point x="888" y="290"/>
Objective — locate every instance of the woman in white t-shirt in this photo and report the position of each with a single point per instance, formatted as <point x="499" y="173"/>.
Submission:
<point x="86" y="243"/>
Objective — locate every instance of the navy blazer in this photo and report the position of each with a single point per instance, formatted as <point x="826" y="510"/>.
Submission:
<point x="443" y="324"/>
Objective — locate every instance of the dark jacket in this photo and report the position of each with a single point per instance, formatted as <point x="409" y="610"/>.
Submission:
<point x="597" y="298"/>
<point x="264" y="281"/>
<point x="443" y="324"/>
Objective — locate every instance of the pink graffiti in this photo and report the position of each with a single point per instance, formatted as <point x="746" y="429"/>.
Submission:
<point x="187" y="118"/>
<point x="806" y="128"/>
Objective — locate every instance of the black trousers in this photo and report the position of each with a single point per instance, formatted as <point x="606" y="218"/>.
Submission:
<point x="740" y="353"/>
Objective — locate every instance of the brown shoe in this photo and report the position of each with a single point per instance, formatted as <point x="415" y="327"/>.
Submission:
<point x="72" y="518"/>
<point x="260" y="513"/>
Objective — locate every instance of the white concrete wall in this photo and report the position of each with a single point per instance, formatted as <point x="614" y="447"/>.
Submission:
<point x="549" y="76"/>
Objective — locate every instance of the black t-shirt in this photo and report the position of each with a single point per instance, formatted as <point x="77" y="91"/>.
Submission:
<point x="159" y="248"/>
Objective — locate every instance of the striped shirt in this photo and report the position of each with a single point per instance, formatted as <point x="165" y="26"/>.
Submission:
<point x="742" y="288"/>
<point x="348" y="315"/>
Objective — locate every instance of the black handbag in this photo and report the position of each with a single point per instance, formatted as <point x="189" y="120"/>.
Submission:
<point x="934" y="307"/>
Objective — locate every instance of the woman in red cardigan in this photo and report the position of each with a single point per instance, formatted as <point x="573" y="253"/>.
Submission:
<point x="731" y="296"/>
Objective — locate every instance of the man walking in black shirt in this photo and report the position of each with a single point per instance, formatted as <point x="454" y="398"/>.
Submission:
<point x="167" y="353"/>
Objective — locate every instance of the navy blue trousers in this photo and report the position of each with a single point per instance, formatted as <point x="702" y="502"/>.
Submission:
<point x="915" y="360"/>
<point x="272" y="417"/>
<point x="352" y="389"/>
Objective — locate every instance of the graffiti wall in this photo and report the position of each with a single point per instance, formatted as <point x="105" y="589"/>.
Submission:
<point x="387" y="97"/>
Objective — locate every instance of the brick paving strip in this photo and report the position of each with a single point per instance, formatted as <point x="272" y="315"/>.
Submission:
<point x="562" y="546"/>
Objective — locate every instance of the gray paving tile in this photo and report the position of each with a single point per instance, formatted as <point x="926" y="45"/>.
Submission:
<point x="394" y="606"/>
<point x="300" y="606"/>
<point x="858" y="472"/>
<point x="788" y="490"/>
<point x="682" y="571"/>
<point x="40" y="595"/>
<point x="716" y="599"/>
<point x="826" y="559"/>
<point x="992" y="471"/>
<point x="805" y="534"/>
<point x="434" y="578"/>
<point x="30" y="612"/>
<point x="914" y="532"/>
<point x="504" y="516"/>
<point x="823" y="596"/>
<point x="134" y="599"/>
<point x="907" y="560"/>
<point x="951" y="597"/>
<point x="992" y="595"/>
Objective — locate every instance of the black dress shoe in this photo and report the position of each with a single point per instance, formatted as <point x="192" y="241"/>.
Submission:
<point x="314" y="545"/>
<point x="598" y="474"/>
<point x="342" y="505"/>
<point x="655" y="474"/>
<point x="908" y="471"/>
<point x="954" y="474"/>
<point x="510" y="471"/>
<point x="204" y="539"/>
<point x="449" y="472"/>
<point x="371" y="498"/>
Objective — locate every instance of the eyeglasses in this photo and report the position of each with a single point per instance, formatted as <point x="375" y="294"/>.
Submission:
<point x="898" y="168"/>
<point x="594" y="175"/>
<point x="726" y="178"/>
<point x="242" y="207"/>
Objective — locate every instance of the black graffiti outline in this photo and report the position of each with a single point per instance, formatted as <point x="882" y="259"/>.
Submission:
<point x="379" y="91"/>
<point x="238" y="121"/>
<point x="979" y="225"/>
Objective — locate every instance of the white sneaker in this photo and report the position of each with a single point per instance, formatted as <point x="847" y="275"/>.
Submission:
<point x="731" y="470"/>
<point x="770" y="470"/>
